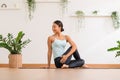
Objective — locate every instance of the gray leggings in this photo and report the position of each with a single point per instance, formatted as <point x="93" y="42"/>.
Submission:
<point x="78" y="62"/>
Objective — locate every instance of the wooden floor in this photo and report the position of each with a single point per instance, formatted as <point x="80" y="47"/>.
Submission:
<point x="59" y="74"/>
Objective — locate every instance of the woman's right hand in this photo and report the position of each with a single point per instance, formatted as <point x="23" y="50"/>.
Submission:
<point x="64" y="58"/>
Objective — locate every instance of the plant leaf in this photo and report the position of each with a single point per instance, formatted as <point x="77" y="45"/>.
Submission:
<point x="19" y="36"/>
<point x="113" y="49"/>
<point x="25" y="42"/>
<point x="1" y="37"/>
<point x="118" y="54"/>
<point x="5" y="45"/>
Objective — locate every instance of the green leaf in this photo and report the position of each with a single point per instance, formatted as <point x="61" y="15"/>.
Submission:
<point x="19" y="36"/>
<point x="25" y="42"/>
<point x="5" y="45"/>
<point x="113" y="49"/>
<point x="118" y="42"/>
<point x="1" y="37"/>
<point x="9" y="40"/>
<point x="118" y="54"/>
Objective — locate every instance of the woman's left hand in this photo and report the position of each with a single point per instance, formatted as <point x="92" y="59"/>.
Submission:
<point x="63" y="59"/>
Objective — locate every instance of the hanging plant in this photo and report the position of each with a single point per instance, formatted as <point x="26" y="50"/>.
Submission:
<point x="31" y="7"/>
<point x="64" y="5"/>
<point x="115" y="19"/>
<point x="80" y="16"/>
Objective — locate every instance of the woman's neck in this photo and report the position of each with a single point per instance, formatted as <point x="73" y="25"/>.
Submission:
<point x="58" y="34"/>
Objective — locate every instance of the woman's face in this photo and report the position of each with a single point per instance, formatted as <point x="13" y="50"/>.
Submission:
<point x="56" y="28"/>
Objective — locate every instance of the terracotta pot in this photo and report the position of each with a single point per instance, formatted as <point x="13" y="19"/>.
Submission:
<point x="15" y="60"/>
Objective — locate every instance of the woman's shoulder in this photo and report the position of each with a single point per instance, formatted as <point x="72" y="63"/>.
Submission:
<point x="67" y="36"/>
<point x="51" y="37"/>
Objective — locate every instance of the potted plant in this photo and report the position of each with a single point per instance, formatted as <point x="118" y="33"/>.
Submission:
<point x="31" y="7"/>
<point x="117" y="49"/>
<point x="14" y="46"/>
<point x="115" y="19"/>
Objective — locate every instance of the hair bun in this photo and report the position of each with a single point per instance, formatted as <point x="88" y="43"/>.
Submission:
<point x="60" y="24"/>
<point x="62" y="29"/>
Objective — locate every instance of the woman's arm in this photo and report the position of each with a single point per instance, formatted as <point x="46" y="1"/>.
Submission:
<point x="72" y="44"/>
<point x="49" y="51"/>
<point x="64" y="57"/>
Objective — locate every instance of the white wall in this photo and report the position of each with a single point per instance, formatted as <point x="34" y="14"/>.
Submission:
<point x="92" y="40"/>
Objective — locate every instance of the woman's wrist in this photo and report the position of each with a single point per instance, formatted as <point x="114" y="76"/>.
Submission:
<point x="67" y="55"/>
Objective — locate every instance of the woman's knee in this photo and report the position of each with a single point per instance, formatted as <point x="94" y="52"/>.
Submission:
<point x="81" y="62"/>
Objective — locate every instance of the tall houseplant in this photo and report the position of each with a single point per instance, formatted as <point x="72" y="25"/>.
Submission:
<point x="31" y="7"/>
<point x="14" y="46"/>
<point x="117" y="49"/>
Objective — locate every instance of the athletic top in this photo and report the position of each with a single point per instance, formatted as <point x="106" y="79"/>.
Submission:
<point x="58" y="47"/>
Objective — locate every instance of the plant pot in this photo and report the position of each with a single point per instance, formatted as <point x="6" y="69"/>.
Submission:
<point x="15" y="60"/>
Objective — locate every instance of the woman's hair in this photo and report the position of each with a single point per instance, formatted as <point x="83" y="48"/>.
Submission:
<point x="60" y="24"/>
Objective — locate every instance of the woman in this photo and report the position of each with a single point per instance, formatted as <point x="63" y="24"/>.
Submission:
<point x="56" y="45"/>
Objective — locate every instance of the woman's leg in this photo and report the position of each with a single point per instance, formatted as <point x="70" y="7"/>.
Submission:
<point x="69" y="58"/>
<point x="76" y="55"/>
<point x="78" y="62"/>
<point x="58" y="64"/>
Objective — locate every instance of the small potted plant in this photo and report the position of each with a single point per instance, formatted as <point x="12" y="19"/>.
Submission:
<point x="117" y="49"/>
<point x="14" y="46"/>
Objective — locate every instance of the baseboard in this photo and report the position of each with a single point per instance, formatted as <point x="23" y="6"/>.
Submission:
<point x="53" y="66"/>
<point x="114" y="66"/>
<point x="29" y="65"/>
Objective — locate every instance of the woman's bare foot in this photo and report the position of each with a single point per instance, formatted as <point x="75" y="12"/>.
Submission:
<point x="85" y="66"/>
<point x="65" y="66"/>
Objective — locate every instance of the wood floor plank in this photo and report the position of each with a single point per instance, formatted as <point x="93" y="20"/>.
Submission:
<point x="59" y="74"/>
